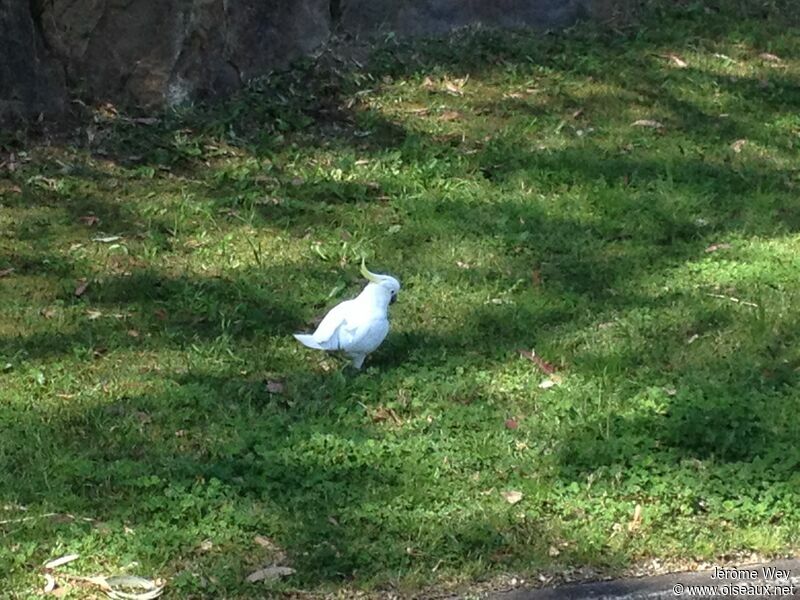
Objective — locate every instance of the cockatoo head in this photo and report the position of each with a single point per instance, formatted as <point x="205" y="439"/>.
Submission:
<point x="386" y="283"/>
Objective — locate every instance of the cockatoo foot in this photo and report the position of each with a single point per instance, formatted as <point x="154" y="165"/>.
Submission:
<point x="357" y="361"/>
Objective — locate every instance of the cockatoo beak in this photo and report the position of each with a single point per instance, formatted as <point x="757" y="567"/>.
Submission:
<point x="367" y="275"/>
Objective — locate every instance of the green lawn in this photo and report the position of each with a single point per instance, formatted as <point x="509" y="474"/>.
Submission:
<point x="626" y="203"/>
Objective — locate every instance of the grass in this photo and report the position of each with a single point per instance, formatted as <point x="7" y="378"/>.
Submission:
<point x="501" y="178"/>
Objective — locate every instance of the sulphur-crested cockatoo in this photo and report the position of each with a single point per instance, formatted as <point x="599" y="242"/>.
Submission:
<point x="358" y="326"/>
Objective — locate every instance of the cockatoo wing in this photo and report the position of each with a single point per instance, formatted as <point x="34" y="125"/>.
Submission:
<point x="326" y="337"/>
<point x="363" y="337"/>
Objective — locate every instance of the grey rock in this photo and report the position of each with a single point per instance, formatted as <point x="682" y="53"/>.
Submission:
<point x="435" y="17"/>
<point x="155" y="52"/>
<point x="31" y="82"/>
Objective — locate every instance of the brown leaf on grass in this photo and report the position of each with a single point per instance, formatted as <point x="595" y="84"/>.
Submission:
<point x="6" y="272"/>
<point x="89" y="220"/>
<point x="93" y="315"/>
<point x="160" y="314"/>
<point x="83" y="283"/>
<point x="428" y="84"/>
<point x="48" y="313"/>
<point x="143" y="417"/>
<point x="770" y="57"/>
<point x="536" y="277"/>
<point x="636" y="521"/>
<point x="277" y="554"/>
<point x="738" y="145"/>
<point x="677" y="61"/>
<point x="715" y="247"/>
<point x="577" y="113"/>
<point x="383" y="413"/>
<point x="512" y="496"/>
<point x="648" y="123"/>
<point x="134" y="333"/>
<point x="275" y="387"/>
<point x="450" y="115"/>
<point x="546" y="367"/>
<point x="553" y="552"/>
<point x="15" y="189"/>
<point x="269" y="573"/>
<point x="511" y="424"/>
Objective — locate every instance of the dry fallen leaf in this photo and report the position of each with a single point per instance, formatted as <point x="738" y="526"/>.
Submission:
<point x="738" y="145"/>
<point x="50" y="583"/>
<point x="48" y="313"/>
<point x="134" y="333"/>
<point x="512" y="497"/>
<point x="677" y="61"/>
<point x="715" y="247"/>
<point x="83" y="283"/>
<point x="546" y="367"/>
<point x="450" y="115"/>
<point x="536" y="277"/>
<point x="206" y="545"/>
<point x="383" y="413"/>
<point x="553" y="552"/>
<point x="89" y="220"/>
<point x="275" y="387"/>
<point x="637" y="518"/>
<point x="648" y="123"/>
<point x="107" y="239"/>
<point x="769" y="57"/>
<point x="512" y="424"/>
<point x="269" y="573"/>
<point x="6" y="272"/>
<point x="61" y="561"/>
<point x="160" y="314"/>
<point x="143" y="417"/>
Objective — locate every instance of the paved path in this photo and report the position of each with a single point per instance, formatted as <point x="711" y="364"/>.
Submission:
<point x="767" y="584"/>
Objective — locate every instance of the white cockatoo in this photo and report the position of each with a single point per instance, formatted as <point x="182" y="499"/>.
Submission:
<point x="358" y="326"/>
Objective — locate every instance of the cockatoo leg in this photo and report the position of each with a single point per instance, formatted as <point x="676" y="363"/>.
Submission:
<point x="358" y="360"/>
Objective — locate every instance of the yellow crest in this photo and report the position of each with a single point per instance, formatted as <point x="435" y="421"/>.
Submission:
<point x="367" y="275"/>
